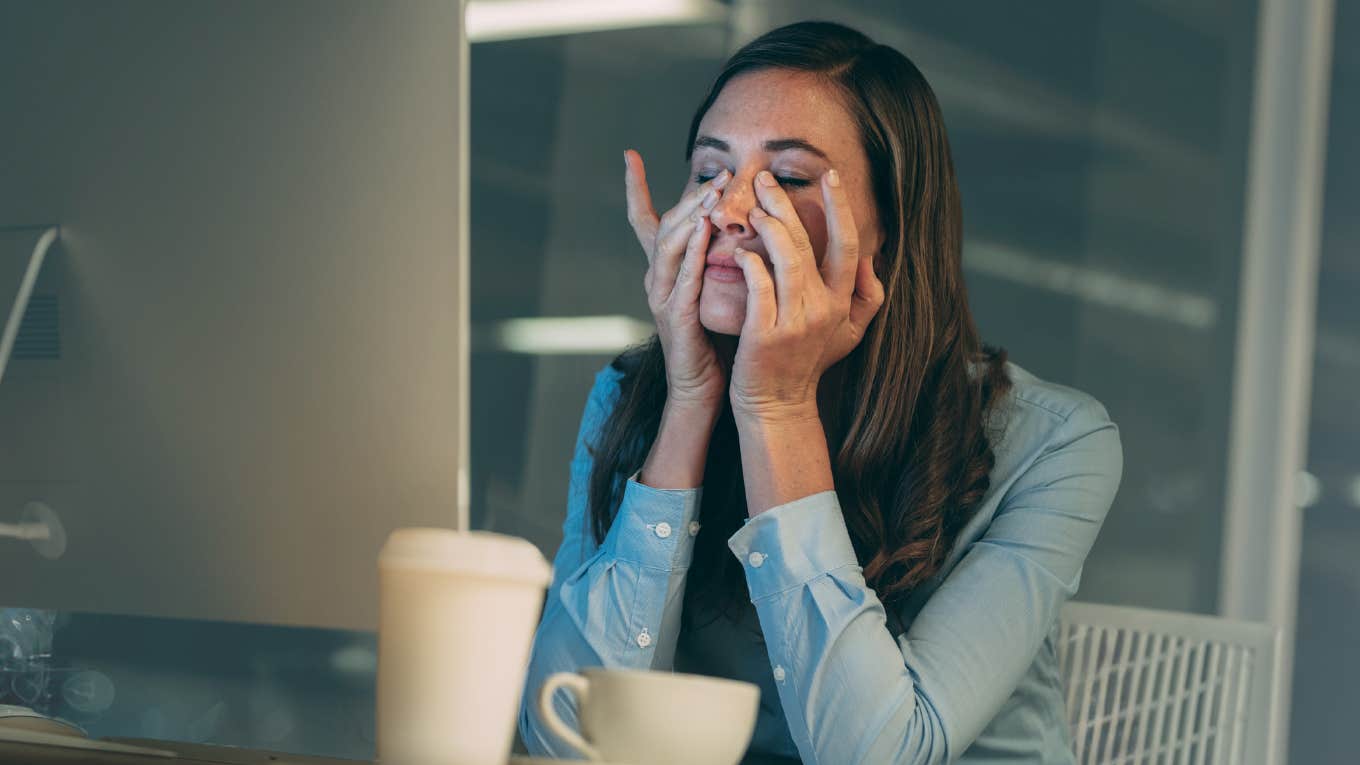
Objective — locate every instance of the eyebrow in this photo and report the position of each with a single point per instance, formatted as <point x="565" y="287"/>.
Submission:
<point x="772" y="146"/>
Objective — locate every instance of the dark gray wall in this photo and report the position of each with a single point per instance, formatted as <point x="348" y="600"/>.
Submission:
<point x="258" y="279"/>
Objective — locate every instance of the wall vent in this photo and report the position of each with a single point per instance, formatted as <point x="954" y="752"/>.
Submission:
<point x="39" y="336"/>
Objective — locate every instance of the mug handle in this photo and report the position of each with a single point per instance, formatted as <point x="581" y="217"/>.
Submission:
<point x="579" y="686"/>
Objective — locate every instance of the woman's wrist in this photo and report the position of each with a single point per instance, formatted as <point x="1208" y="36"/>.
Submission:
<point x="783" y="457"/>
<point x="781" y="414"/>
<point x="678" y="455"/>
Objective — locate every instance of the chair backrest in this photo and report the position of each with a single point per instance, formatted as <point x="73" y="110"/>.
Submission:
<point x="1163" y="687"/>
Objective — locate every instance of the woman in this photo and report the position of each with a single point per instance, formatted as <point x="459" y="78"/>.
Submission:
<point x="891" y="515"/>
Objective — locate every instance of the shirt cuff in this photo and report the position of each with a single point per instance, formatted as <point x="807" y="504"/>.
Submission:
<point x="655" y="527"/>
<point x="792" y="544"/>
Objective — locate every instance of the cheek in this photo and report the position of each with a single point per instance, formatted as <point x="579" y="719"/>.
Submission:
<point x="867" y="225"/>
<point x="870" y="238"/>
<point x="814" y="223"/>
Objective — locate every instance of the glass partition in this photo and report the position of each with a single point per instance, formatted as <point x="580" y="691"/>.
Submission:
<point x="1101" y="151"/>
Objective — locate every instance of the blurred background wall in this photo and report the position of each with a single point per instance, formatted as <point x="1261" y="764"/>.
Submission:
<point x="1326" y="693"/>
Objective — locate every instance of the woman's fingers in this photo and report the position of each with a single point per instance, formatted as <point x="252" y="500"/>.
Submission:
<point x="761" y="312"/>
<point x="641" y="214"/>
<point x="774" y="201"/>
<point x="690" y="278"/>
<point x="676" y="232"/>
<point x="841" y="263"/>
<point x="790" y="273"/>
<point x="868" y="295"/>
<point x="675" y="224"/>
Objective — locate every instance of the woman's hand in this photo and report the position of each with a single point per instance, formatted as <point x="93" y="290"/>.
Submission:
<point x="802" y="319"/>
<point x="677" y="247"/>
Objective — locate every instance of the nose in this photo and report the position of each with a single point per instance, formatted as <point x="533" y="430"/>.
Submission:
<point x="730" y="215"/>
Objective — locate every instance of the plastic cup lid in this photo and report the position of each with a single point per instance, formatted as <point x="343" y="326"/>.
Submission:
<point x="472" y="553"/>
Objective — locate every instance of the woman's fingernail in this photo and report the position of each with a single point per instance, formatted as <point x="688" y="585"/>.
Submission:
<point x="701" y="222"/>
<point x="710" y="199"/>
<point x="833" y="178"/>
<point x="756" y="212"/>
<point x="625" y="159"/>
<point x="721" y="179"/>
<point x="765" y="177"/>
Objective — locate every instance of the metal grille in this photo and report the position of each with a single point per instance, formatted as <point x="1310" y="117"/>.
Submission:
<point x="1154" y="687"/>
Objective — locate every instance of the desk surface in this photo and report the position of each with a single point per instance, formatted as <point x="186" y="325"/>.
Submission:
<point x="49" y="749"/>
<point x="260" y="687"/>
<point x="43" y="749"/>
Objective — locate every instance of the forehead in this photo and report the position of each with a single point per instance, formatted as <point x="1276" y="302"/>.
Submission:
<point x="773" y="103"/>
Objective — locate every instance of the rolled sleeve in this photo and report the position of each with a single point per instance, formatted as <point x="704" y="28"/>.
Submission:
<point x="791" y="544"/>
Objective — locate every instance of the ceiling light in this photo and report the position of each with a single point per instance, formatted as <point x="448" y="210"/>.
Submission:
<point x="493" y="20"/>
<point x="574" y="335"/>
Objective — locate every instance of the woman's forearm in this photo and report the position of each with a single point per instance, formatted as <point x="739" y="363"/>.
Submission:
<point x="783" y="458"/>
<point x="677" y="458"/>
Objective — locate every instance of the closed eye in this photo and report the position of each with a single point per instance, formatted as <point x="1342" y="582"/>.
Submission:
<point x="794" y="183"/>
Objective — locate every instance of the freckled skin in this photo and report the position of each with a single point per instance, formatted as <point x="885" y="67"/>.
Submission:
<point x="757" y="107"/>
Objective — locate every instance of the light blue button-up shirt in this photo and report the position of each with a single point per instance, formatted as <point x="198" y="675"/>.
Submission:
<point x="974" y="676"/>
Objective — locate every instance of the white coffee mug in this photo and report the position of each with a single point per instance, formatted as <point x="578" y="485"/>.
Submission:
<point x="654" y="718"/>
<point x="457" y="612"/>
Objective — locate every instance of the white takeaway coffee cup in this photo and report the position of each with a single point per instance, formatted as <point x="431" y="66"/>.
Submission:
<point x="654" y="718"/>
<point x="457" y="612"/>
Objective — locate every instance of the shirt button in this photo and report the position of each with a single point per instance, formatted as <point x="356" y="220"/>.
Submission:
<point x="756" y="559"/>
<point x="644" y="639"/>
<point x="779" y="674"/>
<point x="663" y="529"/>
<point x="694" y="528"/>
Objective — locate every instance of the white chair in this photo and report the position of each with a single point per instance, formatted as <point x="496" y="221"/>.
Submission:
<point x="1163" y="687"/>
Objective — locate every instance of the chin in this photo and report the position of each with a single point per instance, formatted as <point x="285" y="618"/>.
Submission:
<point x="722" y="314"/>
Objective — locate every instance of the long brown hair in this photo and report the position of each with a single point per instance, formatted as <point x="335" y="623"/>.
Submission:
<point x="912" y="455"/>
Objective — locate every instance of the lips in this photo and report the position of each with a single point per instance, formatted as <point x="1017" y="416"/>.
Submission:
<point x="726" y="259"/>
<point x="722" y="267"/>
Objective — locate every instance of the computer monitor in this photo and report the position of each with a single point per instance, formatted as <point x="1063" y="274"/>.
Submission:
<point x="259" y="362"/>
